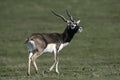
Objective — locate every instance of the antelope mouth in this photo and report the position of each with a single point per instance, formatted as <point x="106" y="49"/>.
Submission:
<point x="80" y="29"/>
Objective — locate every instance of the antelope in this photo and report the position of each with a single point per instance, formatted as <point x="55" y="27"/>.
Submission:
<point x="39" y="43"/>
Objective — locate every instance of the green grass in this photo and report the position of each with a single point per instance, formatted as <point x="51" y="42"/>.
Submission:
<point x="93" y="54"/>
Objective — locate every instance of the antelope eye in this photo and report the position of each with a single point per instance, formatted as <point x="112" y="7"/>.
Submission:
<point x="73" y="27"/>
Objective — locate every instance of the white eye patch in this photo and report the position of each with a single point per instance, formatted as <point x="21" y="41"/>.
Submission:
<point x="73" y="26"/>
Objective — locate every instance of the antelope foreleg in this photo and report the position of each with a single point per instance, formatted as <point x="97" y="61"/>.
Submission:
<point x="55" y="63"/>
<point x="51" y="68"/>
<point x="57" y="71"/>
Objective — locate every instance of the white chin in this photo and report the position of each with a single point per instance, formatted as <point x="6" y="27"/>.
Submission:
<point x="80" y="29"/>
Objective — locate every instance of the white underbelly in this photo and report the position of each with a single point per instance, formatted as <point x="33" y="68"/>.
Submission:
<point x="52" y="48"/>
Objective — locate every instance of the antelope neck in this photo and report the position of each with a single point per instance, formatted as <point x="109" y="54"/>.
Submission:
<point x="67" y="35"/>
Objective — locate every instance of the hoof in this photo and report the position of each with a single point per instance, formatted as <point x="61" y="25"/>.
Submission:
<point x="57" y="73"/>
<point x="36" y="72"/>
<point x="28" y="74"/>
<point x="44" y="73"/>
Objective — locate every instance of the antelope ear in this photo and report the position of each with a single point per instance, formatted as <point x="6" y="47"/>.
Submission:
<point x="78" y="22"/>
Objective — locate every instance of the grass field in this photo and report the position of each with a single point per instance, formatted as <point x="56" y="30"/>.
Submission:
<point x="93" y="54"/>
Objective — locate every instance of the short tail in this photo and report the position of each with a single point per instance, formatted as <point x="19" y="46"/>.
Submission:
<point x="26" y="41"/>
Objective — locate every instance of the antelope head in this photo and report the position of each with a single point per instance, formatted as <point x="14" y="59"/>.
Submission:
<point x="71" y="23"/>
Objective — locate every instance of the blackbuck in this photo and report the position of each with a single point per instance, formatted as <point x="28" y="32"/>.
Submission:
<point x="39" y="43"/>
